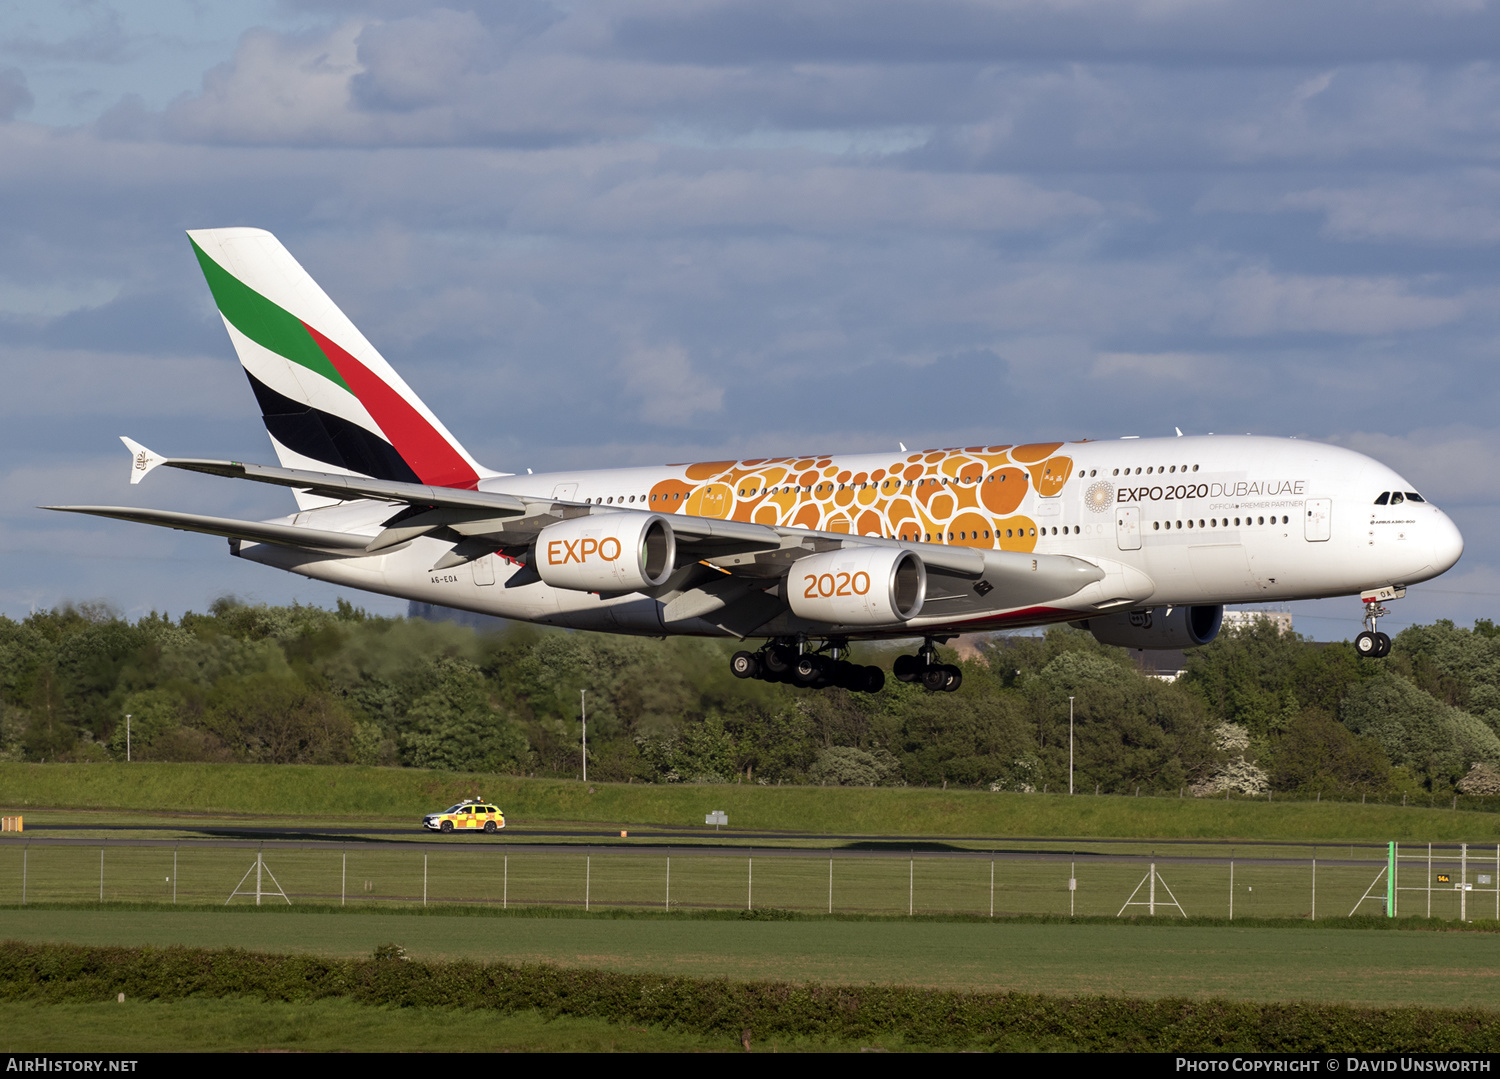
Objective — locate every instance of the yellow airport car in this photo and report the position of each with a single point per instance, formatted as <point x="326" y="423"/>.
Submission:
<point x="472" y="815"/>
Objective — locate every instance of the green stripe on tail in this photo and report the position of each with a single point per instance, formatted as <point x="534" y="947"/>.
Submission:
<point x="263" y="321"/>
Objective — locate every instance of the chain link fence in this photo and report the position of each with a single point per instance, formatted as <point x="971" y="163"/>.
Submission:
<point x="1447" y="881"/>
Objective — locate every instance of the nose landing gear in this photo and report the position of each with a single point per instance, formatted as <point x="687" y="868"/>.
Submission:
<point x="1371" y="643"/>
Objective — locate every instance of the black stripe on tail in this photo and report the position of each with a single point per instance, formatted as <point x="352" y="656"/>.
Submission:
<point x="331" y="439"/>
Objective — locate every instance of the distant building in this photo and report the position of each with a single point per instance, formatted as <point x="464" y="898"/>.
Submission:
<point x="1164" y="663"/>
<point x="481" y="623"/>
<point x="1282" y="620"/>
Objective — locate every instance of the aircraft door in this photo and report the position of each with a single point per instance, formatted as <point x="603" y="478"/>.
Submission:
<point x="1317" y="523"/>
<point x="1128" y="528"/>
<point x="565" y="492"/>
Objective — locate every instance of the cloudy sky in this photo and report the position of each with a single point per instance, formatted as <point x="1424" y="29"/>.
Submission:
<point x="632" y="231"/>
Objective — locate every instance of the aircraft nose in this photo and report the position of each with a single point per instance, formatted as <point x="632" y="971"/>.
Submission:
<point x="1447" y="543"/>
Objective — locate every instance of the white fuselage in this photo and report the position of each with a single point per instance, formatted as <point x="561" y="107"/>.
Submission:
<point x="1202" y="520"/>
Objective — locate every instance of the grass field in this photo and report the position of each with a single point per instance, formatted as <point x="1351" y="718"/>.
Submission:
<point x="349" y="792"/>
<point x="1351" y="966"/>
<point x="341" y="1025"/>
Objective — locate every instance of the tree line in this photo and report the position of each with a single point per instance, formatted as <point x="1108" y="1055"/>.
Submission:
<point x="1255" y="711"/>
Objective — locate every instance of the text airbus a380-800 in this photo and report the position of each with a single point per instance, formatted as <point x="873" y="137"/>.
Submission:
<point x="1141" y="540"/>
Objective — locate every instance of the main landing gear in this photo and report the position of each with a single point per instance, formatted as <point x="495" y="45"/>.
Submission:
<point x="790" y="662"/>
<point x="1373" y="644"/>
<point x="923" y="667"/>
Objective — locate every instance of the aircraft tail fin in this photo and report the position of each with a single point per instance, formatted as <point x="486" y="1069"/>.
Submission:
<point x="330" y="401"/>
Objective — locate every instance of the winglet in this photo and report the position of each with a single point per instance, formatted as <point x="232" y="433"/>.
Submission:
<point x="144" y="462"/>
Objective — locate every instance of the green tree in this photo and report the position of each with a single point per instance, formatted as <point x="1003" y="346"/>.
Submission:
<point x="1129" y="729"/>
<point x="455" y="726"/>
<point x="1317" y="754"/>
<point x="1436" y="742"/>
<point x="277" y="719"/>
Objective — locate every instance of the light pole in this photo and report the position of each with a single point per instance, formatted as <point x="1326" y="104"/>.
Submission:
<point x="583" y="717"/>
<point x="127" y="737"/>
<point x="1070" y="745"/>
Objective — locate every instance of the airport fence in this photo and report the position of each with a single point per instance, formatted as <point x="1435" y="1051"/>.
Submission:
<point x="1447" y="881"/>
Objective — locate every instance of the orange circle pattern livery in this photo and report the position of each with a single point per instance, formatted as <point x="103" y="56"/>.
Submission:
<point x="966" y="497"/>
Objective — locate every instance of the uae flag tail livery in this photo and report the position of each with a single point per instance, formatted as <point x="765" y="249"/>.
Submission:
<point x="330" y="401"/>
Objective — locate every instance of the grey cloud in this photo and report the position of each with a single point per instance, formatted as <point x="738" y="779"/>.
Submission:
<point x="414" y="62"/>
<point x="400" y="86"/>
<point x="55" y="383"/>
<point x="1458" y="210"/>
<point x="813" y="199"/>
<point x="1142" y="31"/>
<point x="446" y="77"/>
<point x="278" y="88"/>
<point x="1148" y="118"/>
<point x="14" y="96"/>
<point x="103" y="41"/>
<point x="1455" y="464"/>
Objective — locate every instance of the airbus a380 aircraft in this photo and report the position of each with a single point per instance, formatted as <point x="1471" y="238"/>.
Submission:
<point x="1142" y="541"/>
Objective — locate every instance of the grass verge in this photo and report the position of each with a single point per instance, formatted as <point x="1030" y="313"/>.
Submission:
<point x="1257" y="963"/>
<point x="68" y="975"/>
<point x="242" y="1026"/>
<point x="339" y="792"/>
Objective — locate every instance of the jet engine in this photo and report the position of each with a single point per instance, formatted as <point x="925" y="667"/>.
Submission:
<point x="607" y="552"/>
<point x="858" y="586"/>
<point x="1164" y="627"/>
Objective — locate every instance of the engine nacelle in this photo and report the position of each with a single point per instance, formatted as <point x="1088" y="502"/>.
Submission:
<point x="858" y="586"/>
<point x="1167" y="627"/>
<point x="607" y="552"/>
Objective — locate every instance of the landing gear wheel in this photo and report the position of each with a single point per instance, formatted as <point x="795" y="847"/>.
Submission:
<point x="907" y="668"/>
<point x="447" y="826"/>
<point x="935" y="678"/>
<point x="955" y="679"/>
<point x="873" y="679"/>
<point x="1368" y="644"/>
<point x="778" y="659"/>
<point x="744" y="665"/>
<point x="809" y="669"/>
<point x="1382" y="646"/>
<point x="489" y="827"/>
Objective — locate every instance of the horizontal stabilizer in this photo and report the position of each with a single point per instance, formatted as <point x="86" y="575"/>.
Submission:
<point x="256" y="531"/>
<point x="351" y="487"/>
<point x="142" y="459"/>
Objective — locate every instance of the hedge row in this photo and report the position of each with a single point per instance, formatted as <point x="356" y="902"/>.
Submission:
<point x="58" y="973"/>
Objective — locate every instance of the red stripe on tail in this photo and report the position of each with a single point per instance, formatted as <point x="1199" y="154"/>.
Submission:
<point x="430" y="455"/>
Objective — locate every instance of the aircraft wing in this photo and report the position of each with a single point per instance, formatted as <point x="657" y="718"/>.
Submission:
<point x="732" y="564"/>
<point x="258" y="531"/>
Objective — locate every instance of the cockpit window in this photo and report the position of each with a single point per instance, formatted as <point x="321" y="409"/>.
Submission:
<point x="1383" y="499"/>
<point x="1412" y="496"/>
<point x="1397" y="498"/>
